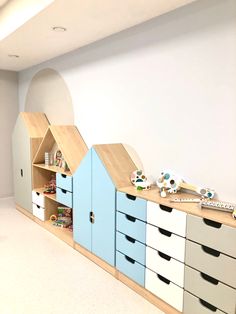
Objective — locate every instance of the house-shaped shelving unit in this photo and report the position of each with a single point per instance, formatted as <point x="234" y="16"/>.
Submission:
<point x="104" y="169"/>
<point x="28" y="133"/>
<point x="68" y="140"/>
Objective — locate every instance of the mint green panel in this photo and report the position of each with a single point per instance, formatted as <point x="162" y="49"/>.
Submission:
<point x="82" y="182"/>
<point x="103" y="206"/>
<point x="22" y="166"/>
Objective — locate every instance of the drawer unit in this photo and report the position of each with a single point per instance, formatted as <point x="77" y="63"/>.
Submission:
<point x="39" y="212"/>
<point x="38" y="198"/>
<point x="166" y="242"/>
<point x="165" y="265"/>
<point x="130" y="268"/>
<point x="131" y="226"/>
<point x="131" y="247"/>
<point x="194" y="305"/>
<point x="132" y="205"/>
<point x="211" y="262"/>
<point x="164" y="289"/>
<point x="213" y="234"/>
<point x="64" y="197"/>
<point x="167" y="218"/>
<point x="211" y="290"/>
<point x="64" y="182"/>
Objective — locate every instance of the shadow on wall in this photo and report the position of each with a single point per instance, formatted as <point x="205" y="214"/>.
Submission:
<point x="49" y="93"/>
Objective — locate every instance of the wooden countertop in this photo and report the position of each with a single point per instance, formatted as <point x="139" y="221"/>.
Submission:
<point x="190" y="208"/>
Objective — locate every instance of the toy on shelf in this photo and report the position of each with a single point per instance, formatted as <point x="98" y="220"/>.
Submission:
<point x="59" y="160"/>
<point x="139" y="180"/>
<point x="64" y="217"/>
<point x="168" y="182"/>
<point x="218" y="205"/>
<point x="50" y="188"/>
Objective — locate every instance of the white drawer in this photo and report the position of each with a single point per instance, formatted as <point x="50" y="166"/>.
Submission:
<point x="165" y="266"/>
<point x="39" y="212"/>
<point x="167" y="218"/>
<point x="38" y="198"/>
<point x="164" y="289"/>
<point x="166" y="242"/>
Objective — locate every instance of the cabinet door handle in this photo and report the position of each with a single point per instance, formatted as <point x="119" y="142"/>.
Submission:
<point x="130" y="239"/>
<point x="130" y="218"/>
<point x="129" y="259"/>
<point x="166" y="208"/>
<point x="21" y="173"/>
<point x="209" y="279"/>
<point x="208" y="305"/>
<point x="131" y="197"/>
<point x="165" y="256"/>
<point x="163" y="279"/>
<point x="165" y="232"/>
<point x="212" y="223"/>
<point x="91" y="217"/>
<point x="210" y="251"/>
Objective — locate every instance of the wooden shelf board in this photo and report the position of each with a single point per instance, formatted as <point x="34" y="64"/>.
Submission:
<point x="53" y="169"/>
<point x="153" y="195"/>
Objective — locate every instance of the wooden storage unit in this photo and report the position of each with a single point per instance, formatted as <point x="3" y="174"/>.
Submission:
<point x="28" y="133"/>
<point x="104" y="169"/>
<point x="68" y="140"/>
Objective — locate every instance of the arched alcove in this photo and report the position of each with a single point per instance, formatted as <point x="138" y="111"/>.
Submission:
<point x="49" y="93"/>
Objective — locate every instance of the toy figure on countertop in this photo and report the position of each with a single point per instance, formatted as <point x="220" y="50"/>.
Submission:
<point x="139" y="179"/>
<point x="50" y="188"/>
<point x="168" y="182"/>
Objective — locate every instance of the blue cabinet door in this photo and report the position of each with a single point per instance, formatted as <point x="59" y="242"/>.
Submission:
<point x="82" y="204"/>
<point x="103" y="206"/>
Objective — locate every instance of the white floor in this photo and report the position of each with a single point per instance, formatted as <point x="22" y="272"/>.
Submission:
<point x="39" y="274"/>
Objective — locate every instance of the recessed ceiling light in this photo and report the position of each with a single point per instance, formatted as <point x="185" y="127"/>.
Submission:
<point x="13" y="56"/>
<point x="59" y="29"/>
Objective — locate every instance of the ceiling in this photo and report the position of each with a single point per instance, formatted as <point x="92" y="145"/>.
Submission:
<point x="31" y="40"/>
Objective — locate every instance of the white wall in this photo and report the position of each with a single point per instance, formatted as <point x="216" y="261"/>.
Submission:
<point x="167" y="88"/>
<point x="8" y="114"/>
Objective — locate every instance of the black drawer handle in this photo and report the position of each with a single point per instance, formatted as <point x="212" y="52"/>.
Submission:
<point x="131" y="197"/>
<point x="63" y="191"/>
<point x="208" y="305"/>
<point x="210" y="251"/>
<point x="37" y="193"/>
<point x="129" y="259"/>
<point x="165" y="256"/>
<point x="209" y="279"/>
<point x="130" y="218"/>
<point x="163" y="279"/>
<point x="38" y="206"/>
<point x="166" y="208"/>
<point x="212" y="223"/>
<point x="63" y="175"/>
<point x="165" y="232"/>
<point x="130" y="239"/>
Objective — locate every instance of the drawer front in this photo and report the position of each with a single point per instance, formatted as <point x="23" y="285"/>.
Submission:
<point x="164" y="289"/>
<point x="211" y="262"/>
<point x="212" y="234"/>
<point x="132" y="206"/>
<point x="167" y="218"/>
<point x="194" y="305"/>
<point x="130" y="268"/>
<point x="64" y="197"/>
<point x="131" y="247"/>
<point x="38" y="199"/>
<point x="64" y="182"/>
<point x="132" y="227"/>
<point x="166" y="242"/>
<point x="165" y="265"/>
<point x="209" y="289"/>
<point x="39" y="212"/>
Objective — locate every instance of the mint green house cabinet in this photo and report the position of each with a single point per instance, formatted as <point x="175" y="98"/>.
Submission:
<point x="95" y="182"/>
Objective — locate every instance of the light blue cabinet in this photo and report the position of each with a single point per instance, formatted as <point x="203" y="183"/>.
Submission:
<point x="94" y="208"/>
